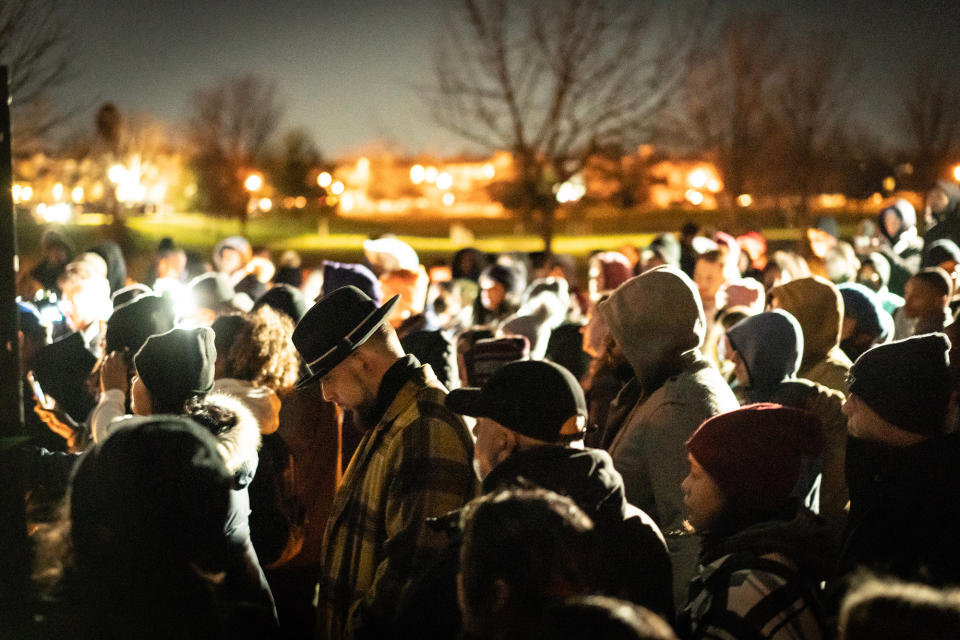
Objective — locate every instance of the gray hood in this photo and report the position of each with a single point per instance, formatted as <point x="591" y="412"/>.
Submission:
<point x="656" y="318"/>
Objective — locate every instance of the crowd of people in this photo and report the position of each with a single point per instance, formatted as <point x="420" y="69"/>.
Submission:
<point x="702" y="438"/>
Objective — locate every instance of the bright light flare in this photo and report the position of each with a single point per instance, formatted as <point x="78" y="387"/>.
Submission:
<point x="698" y="178"/>
<point x="956" y="173"/>
<point x="26" y="193"/>
<point x="77" y="195"/>
<point x="444" y="181"/>
<point x="324" y="180"/>
<point x="417" y="174"/>
<point x="336" y="188"/>
<point x="694" y="197"/>
<point x="448" y="199"/>
<point x="430" y="174"/>
<point x="58" y="191"/>
<point x="744" y="200"/>
<point x="488" y="171"/>
<point x="253" y="182"/>
<point x="117" y="173"/>
<point x="265" y="204"/>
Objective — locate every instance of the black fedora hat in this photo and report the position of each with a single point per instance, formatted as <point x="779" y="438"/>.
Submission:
<point x="334" y="327"/>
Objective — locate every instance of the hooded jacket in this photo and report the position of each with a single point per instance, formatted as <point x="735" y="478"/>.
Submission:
<point x="947" y="221"/>
<point x="818" y="306"/>
<point x="761" y="581"/>
<point x="771" y="345"/>
<point x="905" y="249"/>
<point x="543" y="309"/>
<point x="658" y="322"/>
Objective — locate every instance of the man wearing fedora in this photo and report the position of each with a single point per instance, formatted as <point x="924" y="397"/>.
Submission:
<point x="414" y="461"/>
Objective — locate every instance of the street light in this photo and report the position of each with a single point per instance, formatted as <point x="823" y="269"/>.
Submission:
<point x="324" y="180"/>
<point x="253" y="182"/>
<point x="956" y="173"/>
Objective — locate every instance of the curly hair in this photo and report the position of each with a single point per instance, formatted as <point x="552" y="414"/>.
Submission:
<point x="262" y="352"/>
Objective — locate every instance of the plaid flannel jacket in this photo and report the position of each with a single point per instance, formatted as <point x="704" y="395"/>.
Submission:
<point x="416" y="463"/>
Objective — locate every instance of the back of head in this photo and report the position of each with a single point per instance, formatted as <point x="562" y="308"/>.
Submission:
<point x="522" y="548"/>
<point x="770" y="344"/>
<point x="177" y="365"/>
<point x="588" y="617"/>
<point x="818" y="306"/>
<point x="937" y="279"/>
<point x="151" y="499"/>
<point x="861" y="304"/>
<point x="891" y="610"/>
<point x="132" y="323"/>
<point x="339" y="274"/>
<point x="654" y="317"/>
<point x="940" y="251"/>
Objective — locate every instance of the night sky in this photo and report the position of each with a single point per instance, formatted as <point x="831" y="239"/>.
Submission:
<point x="347" y="70"/>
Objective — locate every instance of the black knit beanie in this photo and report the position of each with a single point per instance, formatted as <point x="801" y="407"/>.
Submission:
<point x="906" y="382"/>
<point x="176" y="366"/>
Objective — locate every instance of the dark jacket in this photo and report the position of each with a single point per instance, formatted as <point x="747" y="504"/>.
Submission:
<point x="636" y="562"/>
<point x="761" y="581"/>
<point x="903" y="506"/>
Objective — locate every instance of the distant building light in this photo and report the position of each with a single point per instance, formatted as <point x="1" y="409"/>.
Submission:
<point x="956" y="174"/>
<point x="117" y="173"/>
<point x="324" y="180"/>
<point x="253" y="182"/>
<point x="744" y="200"/>
<point x="347" y="202"/>
<point x="58" y="192"/>
<point x="448" y="199"/>
<point x="26" y="193"/>
<point x="77" y="195"/>
<point x="694" y="197"/>
<point x="889" y="184"/>
<point x="17" y="190"/>
<point x="698" y="179"/>
<point x="417" y="174"/>
<point x="300" y="202"/>
<point x="430" y="174"/>
<point x="444" y="181"/>
<point x="265" y="204"/>
<point x="714" y="185"/>
<point x="488" y="171"/>
<point x="336" y="188"/>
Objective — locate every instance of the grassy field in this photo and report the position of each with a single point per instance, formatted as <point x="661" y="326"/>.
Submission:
<point x="432" y="238"/>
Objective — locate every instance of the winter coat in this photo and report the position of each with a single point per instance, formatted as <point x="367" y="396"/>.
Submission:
<point x="761" y="582"/>
<point x="657" y="320"/>
<point x="416" y="462"/>
<point x="818" y="306"/>
<point x="903" y="510"/>
<point x="905" y="249"/>
<point x="947" y="222"/>
<point x="770" y="345"/>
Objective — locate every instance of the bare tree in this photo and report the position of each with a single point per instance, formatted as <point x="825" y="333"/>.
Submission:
<point x="727" y="97"/>
<point x="34" y="45"/>
<point x="230" y="126"/>
<point x="931" y="117"/>
<point x="812" y="106"/>
<point x="553" y="82"/>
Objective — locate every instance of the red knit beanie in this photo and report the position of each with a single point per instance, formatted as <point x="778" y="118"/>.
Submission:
<point x="754" y="453"/>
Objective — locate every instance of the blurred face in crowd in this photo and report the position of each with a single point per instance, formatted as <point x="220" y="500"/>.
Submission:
<point x="492" y="293"/>
<point x="172" y="265"/>
<point x="937" y="200"/>
<point x="85" y="302"/>
<point x="921" y="299"/>
<point x="868" y="277"/>
<point x="708" y="277"/>
<point x="702" y="497"/>
<point x="739" y="366"/>
<point x="492" y="447"/>
<point x="230" y="260"/>
<point x="891" y="224"/>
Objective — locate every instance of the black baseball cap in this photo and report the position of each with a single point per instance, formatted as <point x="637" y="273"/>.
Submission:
<point x="532" y="397"/>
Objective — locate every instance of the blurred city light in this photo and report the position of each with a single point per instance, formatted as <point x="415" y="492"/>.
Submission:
<point x="117" y="173"/>
<point x="300" y="202"/>
<point x="889" y="183"/>
<point x="571" y="190"/>
<point x="714" y="185"/>
<point x="694" y="197"/>
<point x="448" y="199"/>
<point x="56" y="213"/>
<point x="417" y="174"/>
<point x="444" y="181"/>
<point x="744" y="200"/>
<point x="324" y="179"/>
<point x="956" y="173"/>
<point x="253" y="182"/>
<point x="488" y="171"/>
<point x="265" y="204"/>
<point x="698" y="178"/>
<point x="430" y="174"/>
<point x="17" y="190"/>
<point x="336" y="188"/>
<point x="58" y="191"/>
<point x="77" y="195"/>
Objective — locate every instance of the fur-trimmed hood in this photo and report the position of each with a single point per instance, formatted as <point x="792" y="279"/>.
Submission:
<point x="237" y="432"/>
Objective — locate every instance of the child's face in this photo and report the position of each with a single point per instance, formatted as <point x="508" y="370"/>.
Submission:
<point x="702" y="497"/>
<point x="921" y="299"/>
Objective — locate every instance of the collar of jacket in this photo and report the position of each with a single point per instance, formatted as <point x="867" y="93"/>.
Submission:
<point x="393" y="380"/>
